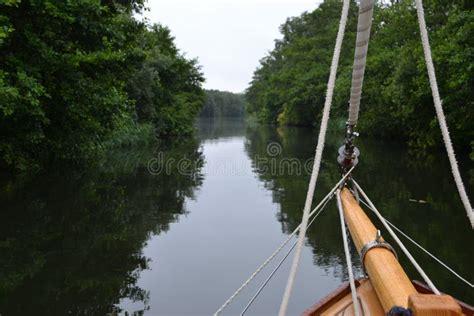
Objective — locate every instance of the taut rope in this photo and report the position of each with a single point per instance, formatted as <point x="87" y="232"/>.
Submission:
<point x="317" y="158"/>
<point x="397" y="240"/>
<point x="270" y="276"/>
<point x="424" y="250"/>
<point x="364" y="23"/>
<point x="440" y="113"/>
<point x="282" y="245"/>
<point x="355" y="301"/>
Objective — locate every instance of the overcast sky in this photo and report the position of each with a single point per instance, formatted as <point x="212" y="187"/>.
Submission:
<point x="229" y="37"/>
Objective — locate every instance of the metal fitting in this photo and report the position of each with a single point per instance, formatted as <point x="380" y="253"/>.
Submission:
<point x="377" y="243"/>
<point x="348" y="153"/>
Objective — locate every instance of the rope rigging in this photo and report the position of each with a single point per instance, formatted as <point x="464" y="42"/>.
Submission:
<point x="423" y="249"/>
<point x="317" y="158"/>
<point x="257" y="293"/>
<point x="355" y="301"/>
<point x="364" y="24"/>
<point x="281" y="246"/>
<point x="348" y="159"/>
<point x="348" y="153"/>
<point x="397" y="240"/>
<point x="440" y="113"/>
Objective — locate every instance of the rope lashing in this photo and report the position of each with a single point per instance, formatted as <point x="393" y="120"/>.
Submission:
<point x="440" y="113"/>
<point x="280" y="247"/>
<point x="317" y="158"/>
<point x="364" y="24"/>
<point x="348" y="153"/>
<point x="355" y="301"/>
<point x="398" y="241"/>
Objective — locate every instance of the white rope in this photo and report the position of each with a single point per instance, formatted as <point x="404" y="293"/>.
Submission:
<point x="440" y="113"/>
<point x="426" y="251"/>
<point x="355" y="301"/>
<point x="264" y="284"/>
<point x="282" y="245"/>
<point x="364" y="23"/>
<point x="395" y="237"/>
<point x="317" y="158"/>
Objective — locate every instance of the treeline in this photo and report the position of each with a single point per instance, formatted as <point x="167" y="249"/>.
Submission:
<point x="290" y="84"/>
<point x="77" y="77"/>
<point x="223" y="104"/>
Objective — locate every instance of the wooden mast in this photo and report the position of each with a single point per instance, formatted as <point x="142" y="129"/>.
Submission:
<point x="392" y="285"/>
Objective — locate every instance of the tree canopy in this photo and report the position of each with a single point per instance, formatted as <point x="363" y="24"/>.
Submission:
<point x="75" y="74"/>
<point x="289" y="86"/>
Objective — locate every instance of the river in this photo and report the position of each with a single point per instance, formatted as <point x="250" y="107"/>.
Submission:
<point x="175" y="229"/>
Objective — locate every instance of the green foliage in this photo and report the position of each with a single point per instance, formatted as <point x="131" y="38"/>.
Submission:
<point x="223" y="104"/>
<point x="131" y="134"/>
<point x="166" y="86"/>
<point x="75" y="74"/>
<point x="289" y="86"/>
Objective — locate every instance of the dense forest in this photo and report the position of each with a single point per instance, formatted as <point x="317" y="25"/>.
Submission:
<point x="223" y="104"/>
<point x="289" y="86"/>
<point x="79" y="77"/>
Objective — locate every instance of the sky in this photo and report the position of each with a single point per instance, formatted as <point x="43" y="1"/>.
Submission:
<point x="228" y="37"/>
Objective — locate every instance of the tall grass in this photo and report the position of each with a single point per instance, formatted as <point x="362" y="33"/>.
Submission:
<point x="131" y="135"/>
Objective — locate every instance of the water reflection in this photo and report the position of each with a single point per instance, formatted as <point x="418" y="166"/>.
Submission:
<point x="78" y="242"/>
<point x="71" y="242"/>
<point x="220" y="128"/>
<point x="391" y="176"/>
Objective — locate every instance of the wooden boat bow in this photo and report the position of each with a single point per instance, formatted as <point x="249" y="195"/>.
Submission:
<point x="387" y="290"/>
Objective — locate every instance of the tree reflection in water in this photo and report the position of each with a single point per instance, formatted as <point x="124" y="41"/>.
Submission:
<point x="391" y="176"/>
<point x="71" y="240"/>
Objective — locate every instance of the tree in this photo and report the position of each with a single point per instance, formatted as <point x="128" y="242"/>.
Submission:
<point x="289" y="86"/>
<point x="223" y="104"/>
<point x="74" y="75"/>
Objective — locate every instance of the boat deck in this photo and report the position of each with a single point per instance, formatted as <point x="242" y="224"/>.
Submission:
<point x="339" y="302"/>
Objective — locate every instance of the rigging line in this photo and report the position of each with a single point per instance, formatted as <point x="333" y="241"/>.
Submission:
<point x="440" y="113"/>
<point x="355" y="301"/>
<point x="282" y="245"/>
<point x="400" y="244"/>
<point x="264" y="284"/>
<point x="317" y="158"/>
<point x="424" y="250"/>
<point x="364" y="23"/>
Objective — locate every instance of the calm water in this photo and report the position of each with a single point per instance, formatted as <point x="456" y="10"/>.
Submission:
<point x="174" y="230"/>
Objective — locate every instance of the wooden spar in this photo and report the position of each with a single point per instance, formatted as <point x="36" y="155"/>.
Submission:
<point x="392" y="285"/>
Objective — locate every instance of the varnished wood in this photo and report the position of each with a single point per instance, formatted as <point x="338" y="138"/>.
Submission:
<point x="368" y="302"/>
<point x="388" y="285"/>
<point x="433" y="305"/>
<point x="340" y="300"/>
<point x="389" y="280"/>
<point x="422" y="288"/>
<point x="329" y="300"/>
